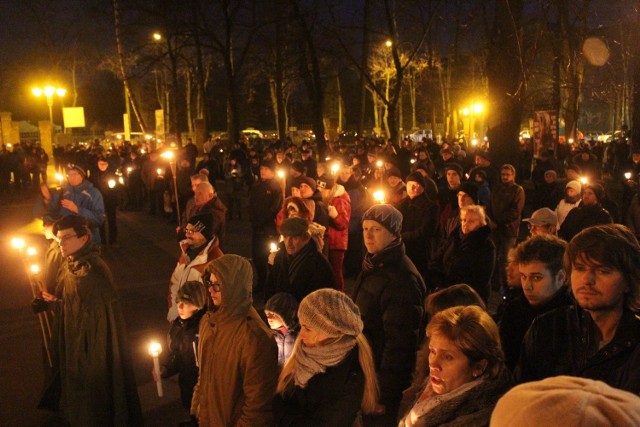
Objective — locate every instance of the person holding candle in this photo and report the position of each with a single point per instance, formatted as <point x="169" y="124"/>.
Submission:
<point x="191" y="301"/>
<point x="93" y="382"/>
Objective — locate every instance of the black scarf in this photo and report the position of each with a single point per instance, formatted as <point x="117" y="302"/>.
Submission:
<point x="370" y="260"/>
<point x="296" y="262"/>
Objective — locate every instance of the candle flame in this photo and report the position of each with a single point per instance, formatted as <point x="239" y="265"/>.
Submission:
<point x="155" y="349"/>
<point x="31" y="251"/>
<point x="35" y="268"/>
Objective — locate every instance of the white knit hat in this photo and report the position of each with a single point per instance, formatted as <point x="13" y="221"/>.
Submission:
<point x="567" y="401"/>
<point x="331" y="312"/>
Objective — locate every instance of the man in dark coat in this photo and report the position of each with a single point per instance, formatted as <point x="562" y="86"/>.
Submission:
<point x="390" y="294"/>
<point x="544" y="289"/>
<point x="599" y="336"/>
<point x="589" y="212"/>
<point x="505" y="209"/>
<point x="298" y="267"/>
<point x="419" y="222"/>
<point x="93" y="382"/>
<point x="265" y="201"/>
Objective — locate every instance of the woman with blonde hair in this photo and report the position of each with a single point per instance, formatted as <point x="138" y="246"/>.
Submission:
<point x="467" y="374"/>
<point x="330" y="375"/>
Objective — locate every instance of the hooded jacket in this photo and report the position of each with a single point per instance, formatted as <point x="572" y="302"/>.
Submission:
<point x="237" y="354"/>
<point x="339" y="226"/>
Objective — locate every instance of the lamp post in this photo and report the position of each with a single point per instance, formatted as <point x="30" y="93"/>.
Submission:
<point x="48" y="92"/>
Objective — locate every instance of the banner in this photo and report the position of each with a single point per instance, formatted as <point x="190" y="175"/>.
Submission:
<point x="545" y="130"/>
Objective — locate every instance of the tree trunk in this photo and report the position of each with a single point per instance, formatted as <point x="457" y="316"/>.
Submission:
<point x="366" y="11"/>
<point x="506" y="89"/>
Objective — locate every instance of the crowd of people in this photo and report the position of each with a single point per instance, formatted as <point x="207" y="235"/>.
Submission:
<point x="376" y="264"/>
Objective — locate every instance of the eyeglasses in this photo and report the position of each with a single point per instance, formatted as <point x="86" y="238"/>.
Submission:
<point x="208" y="283"/>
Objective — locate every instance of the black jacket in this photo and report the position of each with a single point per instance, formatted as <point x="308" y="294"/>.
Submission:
<point x="419" y="229"/>
<point x="465" y="259"/>
<point x="518" y="316"/>
<point x="391" y="300"/>
<point x="181" y="357"/>
<point x="582" y="217"/>
<point x="265" y="201"/>
<point x="331" y="399"/>
<point x="301" y="274"/>
<point x="562" y="342"/>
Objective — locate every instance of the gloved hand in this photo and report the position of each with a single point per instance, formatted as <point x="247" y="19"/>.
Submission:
<point x="333" y="212"/>
<point x="38" y="305"/>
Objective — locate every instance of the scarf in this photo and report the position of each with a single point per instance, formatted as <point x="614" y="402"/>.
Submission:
<point x="370" y="260"/>
<point x="429" y="401"/>
<point x="572" y="200"/>
<point x="310" y="361"/>
<point x="298" y="262"/>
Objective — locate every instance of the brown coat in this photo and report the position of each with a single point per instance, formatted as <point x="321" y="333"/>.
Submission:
<point x="237" y="355"/>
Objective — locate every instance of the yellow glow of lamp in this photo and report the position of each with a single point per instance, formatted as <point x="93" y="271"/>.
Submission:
<point x="477" y="108"/>
<point x="570" y="140"/>
<point x="18" y="243"/>
<point x="465" y="111"/>
<point x="157" y="36"/>
<point x="168" y="155"/>
<point x="388" y="43"/>
<point x="474" y="141"/>
<point x="36" y="91"/>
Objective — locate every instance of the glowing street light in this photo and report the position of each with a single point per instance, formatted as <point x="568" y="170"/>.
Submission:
<point x="48" y="92"/>
<point x="477" y="108"/>
<point x="388" y="43"/>
<point x="157" y="36"/>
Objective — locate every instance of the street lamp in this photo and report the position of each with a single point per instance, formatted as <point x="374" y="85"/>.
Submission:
<point x="48" y="92"/>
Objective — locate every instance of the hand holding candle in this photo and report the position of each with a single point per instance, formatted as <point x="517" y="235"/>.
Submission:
<point x="154" y="350"/>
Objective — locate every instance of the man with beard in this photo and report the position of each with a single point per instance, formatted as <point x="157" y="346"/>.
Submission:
<point x="572" y="198"/>
<point x="598" y="337"/>
<point x="92" y="381"/>
<point x="298" y="267"/>
<point x="199" y="247"/>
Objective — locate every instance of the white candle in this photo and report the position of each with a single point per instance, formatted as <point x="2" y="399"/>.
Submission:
<point x="154" y="350"/>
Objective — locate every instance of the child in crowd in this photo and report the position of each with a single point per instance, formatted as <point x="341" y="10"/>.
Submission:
<point x="282" y="315"/>
<point x="183" y="340"/>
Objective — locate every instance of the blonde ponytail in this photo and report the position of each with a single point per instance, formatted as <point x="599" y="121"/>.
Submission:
<point x="371" y="390"/>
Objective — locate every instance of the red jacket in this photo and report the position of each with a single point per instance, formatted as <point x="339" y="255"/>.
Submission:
<point x="339" y="226"/>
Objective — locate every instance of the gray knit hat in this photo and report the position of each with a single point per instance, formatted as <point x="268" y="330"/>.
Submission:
<point x="331" y="312"/>
<point x="192" y="292"/>
<point x="388" y="216"/>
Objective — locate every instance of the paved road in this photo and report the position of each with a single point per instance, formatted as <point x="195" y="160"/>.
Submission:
<point x="142" y="264"/>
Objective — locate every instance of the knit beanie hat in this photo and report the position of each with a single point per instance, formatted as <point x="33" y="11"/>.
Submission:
<point x="305" y="180"/>
<point x="192" y="292"/>
<point x="470" y="190"/>
<point x="203" y="223"/>
<point x="453" y="167"/>
<point x="284" y="305"/>
<point x="325" y="181"/>
<point x="331" y="312"/>
<point x="294" y="226"/>
<point x="598" y="190"/>
<point x="298" y="166"/>
<point x="270" y="164"/>
<point x="568" y="401"/>
<point x="394" y="171"/>
<point x="76" y="167"/>
<point x="416" y="177"/>
<point x="575" y="185"/>
<point x="386" y="215"/>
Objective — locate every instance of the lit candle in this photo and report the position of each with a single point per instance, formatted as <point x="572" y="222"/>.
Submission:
<point x="159" y="171"/>
<point x="379" y="163"/>
<point x="60" y="178"/>
<point x="413" y="161"/>
<point x="129" y="169"/>
<point x="627" y="175"/>
<point x="273" y="247"/>
<point x="584" y="180"/>
<point x="154" y="350"/>
<point x="121" y="180"/>
<point x="335" y="168"/>
<point x="35" y="268"/>
<point x="112" y="183"/>
<point x="31" y="251"/>
<point x="280" y="173"/>
<point x="378" y="196"/>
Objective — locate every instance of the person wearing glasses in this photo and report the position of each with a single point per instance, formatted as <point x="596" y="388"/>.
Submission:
<point x="77" y="197"/>
<point x="92" y="381"/>
<point x="237" y="353"/>
<point x="198" y="248"/>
